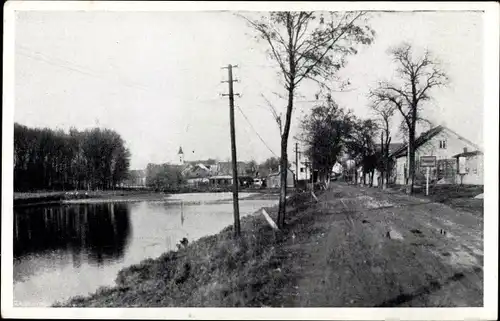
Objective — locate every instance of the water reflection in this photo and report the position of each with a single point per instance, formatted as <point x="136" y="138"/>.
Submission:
<point x="96" y="233"/>
<point x="67" y="250"/>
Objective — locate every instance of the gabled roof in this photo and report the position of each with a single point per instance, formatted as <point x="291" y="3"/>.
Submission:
<point x="392" y="147"/>
<point x="200" y="165"/>
<point x="227" y="167"/>
<point x="468" y="154"/>
<point x="425" y="137"/>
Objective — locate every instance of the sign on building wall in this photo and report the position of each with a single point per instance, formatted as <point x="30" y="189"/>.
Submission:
<point x="428" y="161"/>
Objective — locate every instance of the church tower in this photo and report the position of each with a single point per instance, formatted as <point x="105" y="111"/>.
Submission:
<point x="180" y="154"/>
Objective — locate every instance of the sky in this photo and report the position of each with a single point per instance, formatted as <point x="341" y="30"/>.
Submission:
<point x="155" y="78"/>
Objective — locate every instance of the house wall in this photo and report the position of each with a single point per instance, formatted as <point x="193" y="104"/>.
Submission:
<point x="220" y="181"/>
<point x="274" y="181"/>
<point x="196" y="181"/>
<point x="400" y="170"/>
<point x="474" y="169"/>
<point x="304" y="173"/>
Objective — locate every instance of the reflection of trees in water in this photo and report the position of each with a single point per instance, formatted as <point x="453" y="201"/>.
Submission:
<point x="99" y="231"/>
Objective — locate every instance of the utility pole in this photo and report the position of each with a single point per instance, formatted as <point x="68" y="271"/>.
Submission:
<point x="296" y="164"/>
<point x="236" y="208"/>
<point x="382" y="155"/>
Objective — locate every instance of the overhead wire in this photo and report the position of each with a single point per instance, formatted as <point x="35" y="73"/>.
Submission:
<point x="68" y="65"/>
<point x="256" y="132"/>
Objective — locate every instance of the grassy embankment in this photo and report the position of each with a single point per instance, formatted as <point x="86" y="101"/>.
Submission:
<point x="356" y="247"/>
<point x="459" y="197"/>
<point x="216" y="270"/>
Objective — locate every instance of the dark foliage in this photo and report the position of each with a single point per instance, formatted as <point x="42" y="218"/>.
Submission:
<point x="45" y="159"/>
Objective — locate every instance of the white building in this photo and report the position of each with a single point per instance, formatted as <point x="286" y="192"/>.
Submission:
<point x="304" y="170"/>
<point x="441" y="142"/>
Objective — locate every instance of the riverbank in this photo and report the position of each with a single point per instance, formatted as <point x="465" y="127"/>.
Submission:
<point x="215" y="270"/>
<point x="46" y="197"/>
<point x="43" y="197"/>
<point x="354" y="247"/>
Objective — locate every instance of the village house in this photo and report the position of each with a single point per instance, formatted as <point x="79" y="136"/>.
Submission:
<point x="196" y="174"/>
<point x="221" y="180"/>
<point x="226" y="168"/>
<point x="303" y="170"/>
<point x="470" y="167"/>
<point x="273" y="180"/>
<point x="446" y="145"/>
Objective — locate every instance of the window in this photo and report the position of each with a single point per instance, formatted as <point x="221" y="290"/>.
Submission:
<point x="442" y="144"/>
<point x="302" y="170"/>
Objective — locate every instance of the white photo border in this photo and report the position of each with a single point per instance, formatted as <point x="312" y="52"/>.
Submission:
<point x="491" y="116"/>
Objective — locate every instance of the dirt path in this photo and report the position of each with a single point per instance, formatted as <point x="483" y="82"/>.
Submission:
<point x="385" y="249"/>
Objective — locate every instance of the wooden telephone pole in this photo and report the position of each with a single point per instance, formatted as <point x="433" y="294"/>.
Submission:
<point x="296" y="164"/>
<point x="382" y="172"/>
<point x="236" y="208"/>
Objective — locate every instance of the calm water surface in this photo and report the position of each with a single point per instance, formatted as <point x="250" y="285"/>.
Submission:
<point x="67" y="250"/>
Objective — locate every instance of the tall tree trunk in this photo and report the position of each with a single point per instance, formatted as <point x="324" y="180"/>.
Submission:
<point x="387" y="170"/>
<point x="284" y="159"/>
<point x="411" y="169"/>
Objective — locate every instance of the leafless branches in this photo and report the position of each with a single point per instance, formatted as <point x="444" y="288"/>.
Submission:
<point x="305" y="47"/>
<point x="418" y="75"/>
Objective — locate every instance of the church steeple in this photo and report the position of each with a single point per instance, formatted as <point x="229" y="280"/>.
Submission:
<point x="180" y="153"/>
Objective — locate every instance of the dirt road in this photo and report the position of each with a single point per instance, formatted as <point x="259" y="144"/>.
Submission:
<point x="377" y="249"/>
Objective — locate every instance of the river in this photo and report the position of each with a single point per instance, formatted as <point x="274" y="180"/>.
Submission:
<point x="72" y="249"/>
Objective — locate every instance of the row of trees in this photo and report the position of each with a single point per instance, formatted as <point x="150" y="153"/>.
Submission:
<point x="314" y="46"/>
<point x="416" y="76"/>
<point x="308" y="46"/>
<point x="46" y="159"/>
<point x="164" y="176"/>
<point x="329" y="132"/>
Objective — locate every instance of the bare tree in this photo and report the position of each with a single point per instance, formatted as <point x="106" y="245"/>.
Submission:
<point x="417" y="76"/>
<point x="308" y="45"/>
<point x="384" y="112"/>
